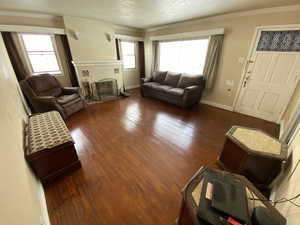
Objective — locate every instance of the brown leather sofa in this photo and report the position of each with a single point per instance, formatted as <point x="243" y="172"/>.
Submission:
<point x="180" y="89"/>
<point x="45" y="93"/>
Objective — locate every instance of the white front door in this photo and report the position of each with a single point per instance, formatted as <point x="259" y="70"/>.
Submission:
<point x="269" y="82"/>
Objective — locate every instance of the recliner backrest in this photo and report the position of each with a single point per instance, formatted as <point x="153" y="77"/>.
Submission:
<point x="44" y="85"/>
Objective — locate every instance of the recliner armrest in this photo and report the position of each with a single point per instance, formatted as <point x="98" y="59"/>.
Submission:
<point x="70" y="90"/>
<point x="44" y="103"/>
<point x="44" y="98"/>
<point x="47" y="103"/>
<point x="146" y="79"/>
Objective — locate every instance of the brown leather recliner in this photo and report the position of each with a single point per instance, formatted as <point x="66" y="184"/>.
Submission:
<point x="45" y="93"/>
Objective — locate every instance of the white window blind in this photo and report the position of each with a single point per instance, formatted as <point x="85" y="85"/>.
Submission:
<point x="186" y="56"/>
<point x="41" y="53"/>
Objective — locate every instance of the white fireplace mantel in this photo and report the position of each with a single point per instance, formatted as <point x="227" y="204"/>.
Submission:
<point x="94" y="71"/>
<point x="97" y="63"/>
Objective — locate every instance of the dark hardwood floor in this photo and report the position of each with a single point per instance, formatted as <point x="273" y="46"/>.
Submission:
<point x="137" y="154"/>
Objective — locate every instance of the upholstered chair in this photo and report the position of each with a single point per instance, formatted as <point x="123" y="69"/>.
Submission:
<point x="45" y="93"/>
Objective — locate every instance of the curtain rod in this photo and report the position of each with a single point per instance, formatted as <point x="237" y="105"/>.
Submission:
<point x="31" y="29"/>
<point x="196" y="34"/>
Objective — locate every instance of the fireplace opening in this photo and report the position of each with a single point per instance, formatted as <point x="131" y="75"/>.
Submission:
<point x="105" y="89"/>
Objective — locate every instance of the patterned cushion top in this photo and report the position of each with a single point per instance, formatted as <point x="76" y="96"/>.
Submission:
<point x="257" y="141"/>
<point x="47" y="130"/>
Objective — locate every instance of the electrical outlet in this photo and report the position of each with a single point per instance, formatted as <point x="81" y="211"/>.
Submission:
<point x="228" y="91"/>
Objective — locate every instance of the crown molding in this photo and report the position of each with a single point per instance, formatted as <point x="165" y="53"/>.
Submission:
<point x="227" y="16"/>
<point x="126" y="28"/>
<point x="29" y="15"/>
<point x="129" y="38"/>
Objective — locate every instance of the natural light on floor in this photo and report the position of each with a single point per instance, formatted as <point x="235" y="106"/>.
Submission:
<point x="186" y="56"/>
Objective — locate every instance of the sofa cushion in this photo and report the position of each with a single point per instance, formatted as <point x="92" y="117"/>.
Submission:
<point x="67" y="98"/>
<point x="159" y="76"/>
<point x="187" y="80"/>
<point x="172" y="79"/>
<point x="163" y="88"/>
<point x="151" y="84"/>
<point x="176" y="91"/>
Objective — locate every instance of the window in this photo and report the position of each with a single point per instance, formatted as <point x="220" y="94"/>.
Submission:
<point x="186" y="56"/>
<point x="128" y="52"/>
<point x="41" y="53"/>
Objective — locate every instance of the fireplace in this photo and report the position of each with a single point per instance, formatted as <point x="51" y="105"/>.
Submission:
<point x="100" y="80"/>
<point x="105" y="89"/>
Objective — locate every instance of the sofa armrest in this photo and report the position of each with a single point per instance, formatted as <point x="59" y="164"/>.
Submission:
<point x="70" y="90"/>
<point x="193" y="89"/>
<point x="146" y="79"/>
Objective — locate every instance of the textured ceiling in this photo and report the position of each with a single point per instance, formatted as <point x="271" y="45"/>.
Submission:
<point x="140" y="13"/>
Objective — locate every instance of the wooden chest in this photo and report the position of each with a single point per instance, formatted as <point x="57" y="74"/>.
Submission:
<point x="254" y="154"/>
<point x="50" y="148"/>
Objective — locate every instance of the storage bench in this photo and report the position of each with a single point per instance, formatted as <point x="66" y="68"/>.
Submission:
<point x="50" y="148"/>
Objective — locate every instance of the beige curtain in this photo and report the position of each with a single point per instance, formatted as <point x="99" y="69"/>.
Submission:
<point x="155" y="56"/>
<point x="119" y="49"/>
<point x="65" y="56"/>
<point x="141" y="55"/>
<point x="212" y="59"/>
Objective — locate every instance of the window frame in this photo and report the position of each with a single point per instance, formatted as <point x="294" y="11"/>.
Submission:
<point x="184" y="39"/>
<point x="27" y="59"/>
<point x="134" y="51"/>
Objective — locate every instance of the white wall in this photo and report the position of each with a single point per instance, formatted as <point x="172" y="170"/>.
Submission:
<point x="92" y="44"/>
<point x="289" y="187"/>
<point x="20" y="201"/>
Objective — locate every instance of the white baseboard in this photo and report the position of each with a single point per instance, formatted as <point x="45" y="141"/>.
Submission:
<point x="133" y="86"/>
<point x="44" y="211"/>
<point x="217" y="105"/>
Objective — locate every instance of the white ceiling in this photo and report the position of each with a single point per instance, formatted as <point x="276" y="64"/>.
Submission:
<point x="139" y="13"/>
